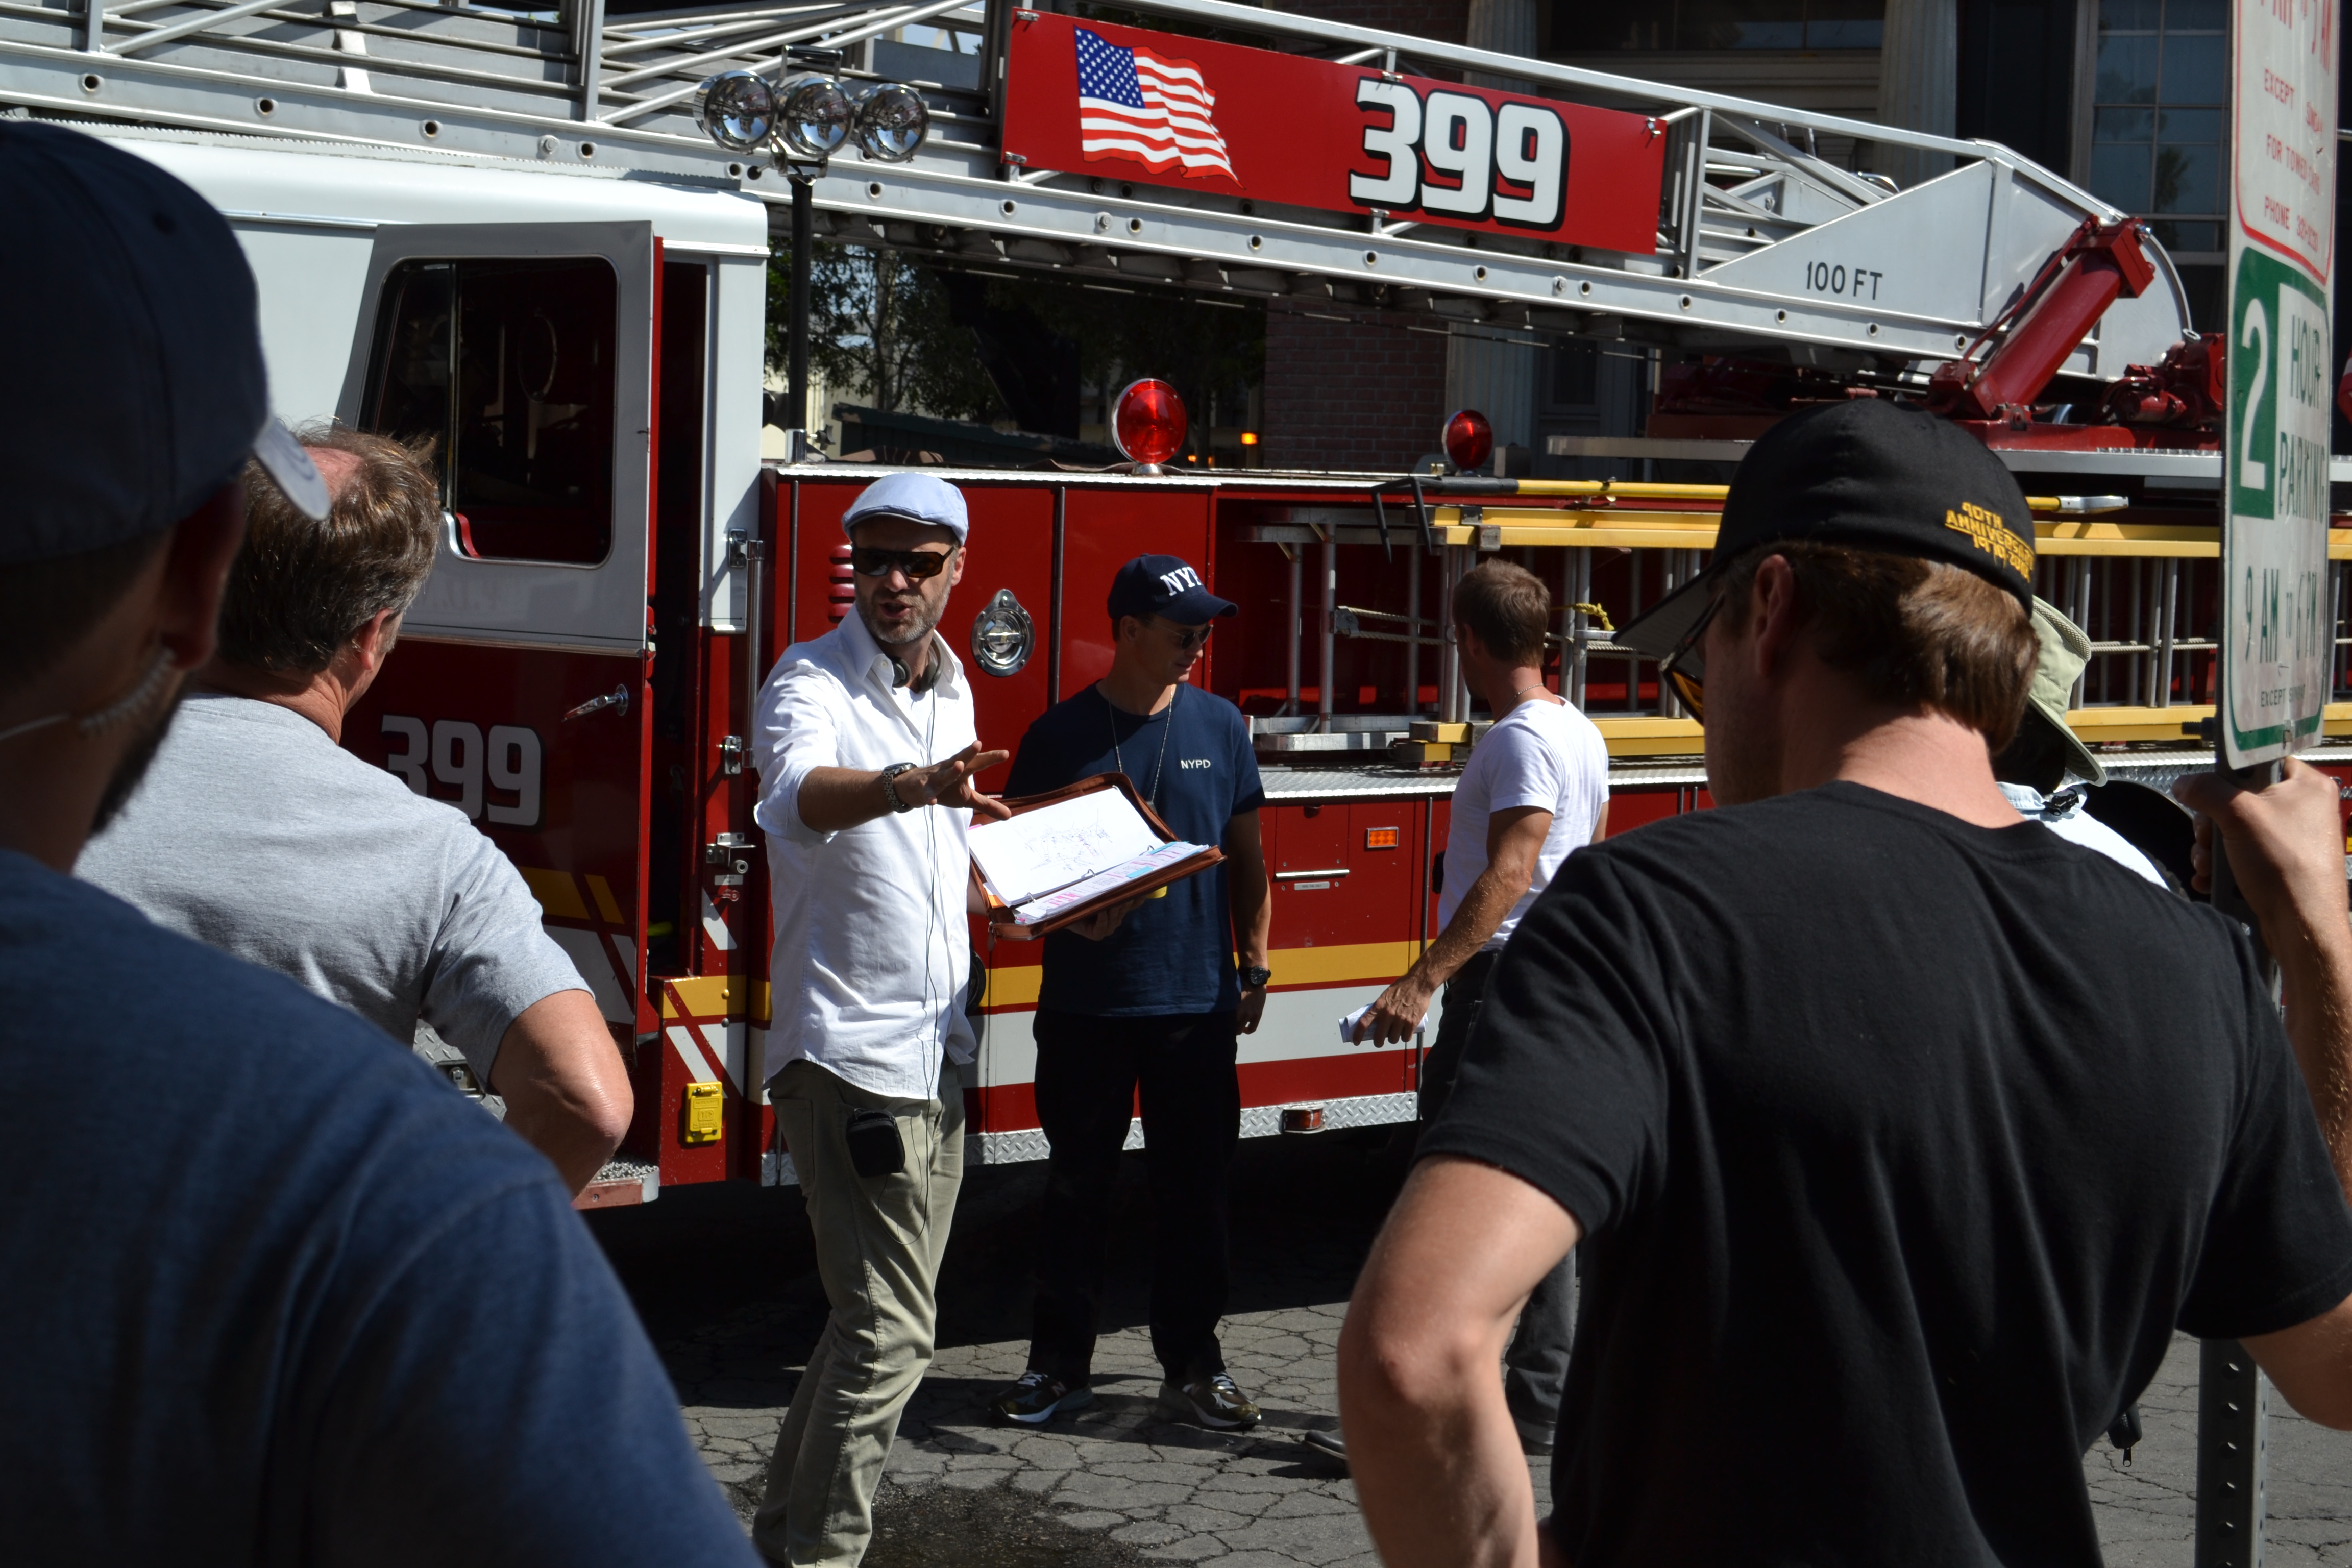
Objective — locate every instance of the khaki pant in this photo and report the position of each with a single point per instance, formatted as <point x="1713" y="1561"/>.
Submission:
<point x="878" y="1243"/>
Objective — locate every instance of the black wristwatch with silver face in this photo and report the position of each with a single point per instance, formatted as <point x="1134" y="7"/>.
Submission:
<point x="1255" y="977"/>
<point x="890" y="787"/>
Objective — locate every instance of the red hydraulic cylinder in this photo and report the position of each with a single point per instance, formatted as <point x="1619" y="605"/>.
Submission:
<point x="2101" y="263"/>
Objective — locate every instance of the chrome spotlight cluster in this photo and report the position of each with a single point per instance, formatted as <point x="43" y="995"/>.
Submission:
<point x="890" y="121"/>
<point x="808" y="117"/>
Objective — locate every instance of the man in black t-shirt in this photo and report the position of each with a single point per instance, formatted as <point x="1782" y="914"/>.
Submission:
<point x="1890" y="1205"/>
<point x="1145" y="1008"/>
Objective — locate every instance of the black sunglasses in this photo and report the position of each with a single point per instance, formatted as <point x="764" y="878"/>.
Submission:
<point x="873" y="561"/>
<point x="1684" y="670"/>
<point x="1189" y="637"/>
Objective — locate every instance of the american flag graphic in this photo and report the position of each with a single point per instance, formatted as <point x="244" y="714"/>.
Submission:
<point x="1132" y="104"/>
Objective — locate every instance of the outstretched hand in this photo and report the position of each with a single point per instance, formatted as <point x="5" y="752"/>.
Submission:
<point x="950" y="784"/>
<point x="2286" y="844"/>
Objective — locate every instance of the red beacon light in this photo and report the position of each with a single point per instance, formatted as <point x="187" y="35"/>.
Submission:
<point x="1148" y="423"/>
<point x="1469" y="440"/>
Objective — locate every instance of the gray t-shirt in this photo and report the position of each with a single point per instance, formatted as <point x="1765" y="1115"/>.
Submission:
<point x="256" y="834"/>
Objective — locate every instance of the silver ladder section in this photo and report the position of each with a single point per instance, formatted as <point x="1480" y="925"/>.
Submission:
<point x="1766" y="245"/>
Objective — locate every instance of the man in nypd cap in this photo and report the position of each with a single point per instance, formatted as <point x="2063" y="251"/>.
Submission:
<point x="1891" y="1203"/>
<point x="867" y="752"/>
<point x="277" y="1295"/>
<point x="1142" y="1005"/>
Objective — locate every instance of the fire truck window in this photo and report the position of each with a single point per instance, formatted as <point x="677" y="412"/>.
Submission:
<point x="508" y="367"/>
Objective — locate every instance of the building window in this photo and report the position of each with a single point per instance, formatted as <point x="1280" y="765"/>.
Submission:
<point x="1593" y="26"/>
<point x="2160" y="129"/>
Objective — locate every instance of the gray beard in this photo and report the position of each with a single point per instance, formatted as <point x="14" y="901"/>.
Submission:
<point x="926" y="622"/>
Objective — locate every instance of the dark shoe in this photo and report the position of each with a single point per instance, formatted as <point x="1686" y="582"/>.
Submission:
<point x="1211" y="1402"/>
<point x="1330" y="1444"/>
<point x="1037" y="1397"/>
<point x="1534" y="1446"/>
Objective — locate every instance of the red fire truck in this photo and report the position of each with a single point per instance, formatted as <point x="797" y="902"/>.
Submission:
<point x="511" y="233"/>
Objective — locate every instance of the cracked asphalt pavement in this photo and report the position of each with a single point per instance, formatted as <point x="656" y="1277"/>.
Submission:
<point x="725" y="1280"/>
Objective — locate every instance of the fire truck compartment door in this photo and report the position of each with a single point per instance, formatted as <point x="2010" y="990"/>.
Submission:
<point x="536" y="341"/>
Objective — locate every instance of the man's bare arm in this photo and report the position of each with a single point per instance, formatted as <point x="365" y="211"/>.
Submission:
<point x="2286" y="856"/>
<point x="566" y="1087"/>
<point x="1436" y="1459"/>
<point x="1251" y="897"/>
<point x="833" y="800"/>
<point x="1514" y="841"/>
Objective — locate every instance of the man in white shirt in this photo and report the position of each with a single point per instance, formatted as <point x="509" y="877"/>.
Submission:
<point x="866" y="751"/>
<point x="1536" y="788"/>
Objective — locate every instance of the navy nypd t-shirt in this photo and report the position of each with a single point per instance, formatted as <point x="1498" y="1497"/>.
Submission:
<point x="1193" y="761"/>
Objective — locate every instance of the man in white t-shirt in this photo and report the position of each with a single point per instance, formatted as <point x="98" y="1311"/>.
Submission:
<point x="1536" y="788"/>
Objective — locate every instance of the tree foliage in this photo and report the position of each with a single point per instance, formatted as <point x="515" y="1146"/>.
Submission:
<point x="879" y="322"/>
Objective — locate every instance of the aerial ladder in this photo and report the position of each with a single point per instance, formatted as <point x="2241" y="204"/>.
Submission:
<point x="1768" y="246"/>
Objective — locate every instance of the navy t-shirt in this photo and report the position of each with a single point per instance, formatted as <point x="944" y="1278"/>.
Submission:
<point x="1193" y="761"/>
<point x="277" y="1295"/>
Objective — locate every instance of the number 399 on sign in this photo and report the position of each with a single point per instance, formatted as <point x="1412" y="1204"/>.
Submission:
<point x="1457" y="155"/>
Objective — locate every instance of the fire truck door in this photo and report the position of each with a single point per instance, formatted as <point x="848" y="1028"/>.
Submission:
<point x="518" y="692"/>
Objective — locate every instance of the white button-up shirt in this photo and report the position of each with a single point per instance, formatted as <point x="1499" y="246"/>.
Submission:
<point x="872" y="953"/>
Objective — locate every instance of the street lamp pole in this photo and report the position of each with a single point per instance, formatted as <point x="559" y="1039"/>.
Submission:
<point x="803" y="121"/>
<point x="797" y="336"/>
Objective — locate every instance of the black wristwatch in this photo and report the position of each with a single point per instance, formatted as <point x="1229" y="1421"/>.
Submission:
<point x="1255" y="976"/>
<point x="890" y="787"/>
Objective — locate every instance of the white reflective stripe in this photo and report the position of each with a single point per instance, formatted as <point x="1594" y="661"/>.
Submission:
<point x="714" y="926"/>
<point x="593" y="958"/>
<point x="733" y="1040"/>
<point x="689" y="1050"/>
<point x="624" y="953"/>
<point x="755" y="1064"/>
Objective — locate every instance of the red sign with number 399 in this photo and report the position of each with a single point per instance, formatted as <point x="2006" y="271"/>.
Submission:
<point x="1154" y="109"/>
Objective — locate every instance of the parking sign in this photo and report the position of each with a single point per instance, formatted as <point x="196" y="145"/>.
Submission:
<point x="2277" y="623"/>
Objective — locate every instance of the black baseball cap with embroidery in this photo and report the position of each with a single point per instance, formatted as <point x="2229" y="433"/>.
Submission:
<point x="1868" y="473"/>
<point x="1165" y="586"/>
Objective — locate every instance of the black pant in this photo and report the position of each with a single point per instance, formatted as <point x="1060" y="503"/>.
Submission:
<point x="1535" y="1368"/>
<point x="1089" y="1070"/>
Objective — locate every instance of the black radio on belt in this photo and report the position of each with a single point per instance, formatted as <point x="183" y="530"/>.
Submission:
<point x="875" y="1147"/>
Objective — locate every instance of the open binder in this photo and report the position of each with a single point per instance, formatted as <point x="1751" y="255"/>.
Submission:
<point x="1065" y="854"/>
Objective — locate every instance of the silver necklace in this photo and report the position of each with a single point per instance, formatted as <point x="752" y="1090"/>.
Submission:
<point x="1159" y="766"/>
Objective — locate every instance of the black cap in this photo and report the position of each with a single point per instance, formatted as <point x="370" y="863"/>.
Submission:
<point x="131" y="383"/>
<point x="1163" y="585"/>
<point x="1868" y="473"/>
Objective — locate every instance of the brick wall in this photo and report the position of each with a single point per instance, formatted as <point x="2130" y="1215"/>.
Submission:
<point x="1355" y="393"/>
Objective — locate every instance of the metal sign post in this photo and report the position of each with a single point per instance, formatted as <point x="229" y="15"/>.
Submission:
<point x="2277" y="628"/>
<point x="2277" y="622"/>
<point x="2232" y="1439"/>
